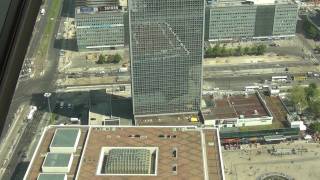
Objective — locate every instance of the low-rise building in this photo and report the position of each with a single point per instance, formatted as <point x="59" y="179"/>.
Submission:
<point x="237" y="111"/>
<point x="124" y="152"/>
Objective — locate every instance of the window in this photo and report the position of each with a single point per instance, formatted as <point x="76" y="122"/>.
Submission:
<point x="174" y="153"/>
<point x="174" y="169"/>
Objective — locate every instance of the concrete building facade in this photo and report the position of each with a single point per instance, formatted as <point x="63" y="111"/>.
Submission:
<point x="246" y="20"/>
<point x="100" y="25"/>
<point x="166" y="50"/>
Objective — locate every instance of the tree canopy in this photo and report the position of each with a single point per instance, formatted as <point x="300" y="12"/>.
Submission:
<point x="310" y="30"/>
<point x="222" y="51"/>
<point x="315" y="127"/>
<point x="110" y="59"/>
<point x="308" y="97"/>
<point x="298" y="97"/>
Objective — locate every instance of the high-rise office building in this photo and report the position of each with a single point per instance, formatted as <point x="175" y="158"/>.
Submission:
<point x="166" y="49"/>
<point x="100" y="24"/>
<point x="254" y="19"/>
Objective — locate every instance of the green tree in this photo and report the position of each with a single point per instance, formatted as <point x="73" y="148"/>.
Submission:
<point x="261" y="49"/>
<point x="315" y="108"/>
<point x="101" y="59"/>
<point x="218" y="50"/>
<point x="315" y="127"/>
<point x="110" y="59"/>
<point x="298" y="97"/>
<point x="114" y="58"/>
<point x="253" y="50"/>
<point x="239" y="51"/>
<point x="117" y="58"/>
<point x="312" y="92"/>
<point x="223" y="50"/>
<point x="310" y="30"/>
<point x="246" y="50"/>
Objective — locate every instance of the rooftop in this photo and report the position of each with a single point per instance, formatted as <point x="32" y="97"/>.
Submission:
<point x="172" y="120"/>
<point x="57" y="160"/>
<point x="96" y="3"/>
<point x="158" y="40"/>
<point x="51" y="176"/>
<point x="178" y="152"/>
<point x="235" y="106"/>
<point x="43" y="148"/>
<point x="65" y="137"/>
<point x="128" y="160"/>
<point x="226" y="3"/>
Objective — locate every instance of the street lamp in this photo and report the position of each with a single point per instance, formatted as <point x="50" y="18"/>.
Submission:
<point x="47" y="95"/>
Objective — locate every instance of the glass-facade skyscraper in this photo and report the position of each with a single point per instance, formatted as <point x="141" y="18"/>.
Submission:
<point x="166" y="49"/>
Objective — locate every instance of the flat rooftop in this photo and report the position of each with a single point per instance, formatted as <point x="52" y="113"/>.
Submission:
<point x="51" y="176"/>
<point x="157" y="39"/>
<point x="171" y="152"/>
<point x="278" y="110"/>
<point x="65" y="137"/>
<point x="167" y="120"/>
<point x="226" y="3"/>
<point x="43" y="148"/>
<point x="57" y="160"/>
<point x="234" y="106"/>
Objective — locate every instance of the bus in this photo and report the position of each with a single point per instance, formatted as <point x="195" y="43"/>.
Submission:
<point x="279" y="78"/>
<point x="251" y="88"/>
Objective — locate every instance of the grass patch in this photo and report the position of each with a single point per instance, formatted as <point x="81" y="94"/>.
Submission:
<point x="47" y="35"/>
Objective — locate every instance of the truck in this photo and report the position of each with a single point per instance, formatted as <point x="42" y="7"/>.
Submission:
<point x="299" y="78"/>
<point x="32" y="111"/>
<point x="123" y="69"/>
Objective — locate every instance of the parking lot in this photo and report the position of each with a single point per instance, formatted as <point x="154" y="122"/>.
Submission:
<point x="299" y="160"/>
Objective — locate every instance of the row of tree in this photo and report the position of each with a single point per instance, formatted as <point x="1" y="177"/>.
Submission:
<point x="310" y="30"/>
<point x="110" y="59"/>
<point x="223" y="51"/>
<point x="306" y="98"/>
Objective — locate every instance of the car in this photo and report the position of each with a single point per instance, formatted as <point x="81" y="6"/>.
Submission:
<point x="61" y="104"/>
<point x="42" y="11"/>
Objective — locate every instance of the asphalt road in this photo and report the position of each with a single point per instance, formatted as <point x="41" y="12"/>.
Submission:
<point x="31" y="91"/>
<point x="238" y="83"/>
<point x="38" y="31"/>
<point x="256" y="66"/>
